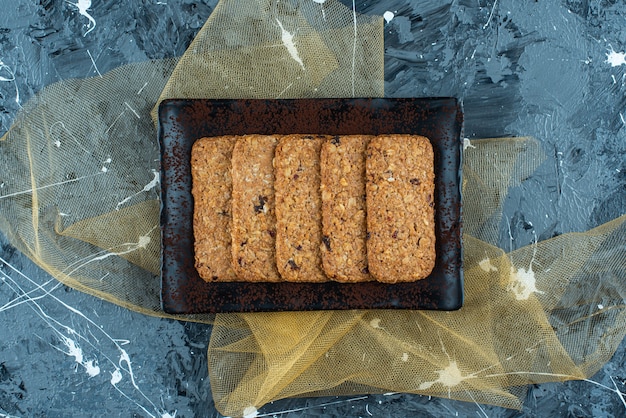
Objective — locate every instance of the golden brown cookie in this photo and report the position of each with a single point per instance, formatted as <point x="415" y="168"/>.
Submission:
<point x="298" y="208"/>
<point x="212" y="217"/>
<point x="400" y="208"/>
<point x="254" y="218"/>
<point x="344" y="227"/>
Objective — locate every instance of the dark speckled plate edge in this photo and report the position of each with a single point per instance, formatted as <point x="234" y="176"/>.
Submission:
<point x="181" y="122"/>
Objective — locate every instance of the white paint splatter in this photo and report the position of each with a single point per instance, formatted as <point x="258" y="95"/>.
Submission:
<point x="115" y="121"/>
<point x="125" y="358"/>
<point x="467" y="144"/>
<point x="116" y="377"/>
<point x="250" y="412"/>
<point x="493" y="9"/>
<point x="486" y="265"/>
<point x="142" y="87"/>
<point x="49" y="185"/>
<point x="154" y="183"/>
<point x="75" y="351"/>
<point x="593" y="382"/>
<point x="133" y="110"/>
<point x="616" y="58"/>
<point x="104" y="168"/>
<point x="83" y="7"/>
<point x="321" y="3"/>
<point x="25" y="297"/>
<point x="523" y="283"/>
<point x="284" y="90"/>
<point x="388" y="16"/>
<point x="5" y="67"/>
<point x="92" y="368"/>
<point x="287" y="39"/>
<point x="450" y="376"/>
<point x="302" y="409"/>
<point x="10" y="79"/>
<point x="375" y="323"/>
<point x="94" y="63"/>
<point x="122" y="249"/>
<point x="57" y="141"/>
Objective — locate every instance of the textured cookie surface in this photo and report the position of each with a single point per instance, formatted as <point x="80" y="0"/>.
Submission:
<point x="400" y="208"/>
<point x="212" y="217"/>
<point x="344" y="250"/>
<point x="254" y="219"/>
<point x="298" y="208"/>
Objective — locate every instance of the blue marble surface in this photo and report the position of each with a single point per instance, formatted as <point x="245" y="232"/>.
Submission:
<point x="555" y="70"/>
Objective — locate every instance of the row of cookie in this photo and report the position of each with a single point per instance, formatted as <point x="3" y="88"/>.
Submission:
<point x="309" y="208"/>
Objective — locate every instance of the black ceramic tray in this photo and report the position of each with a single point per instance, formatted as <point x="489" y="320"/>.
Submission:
<point x="181" y="122"/>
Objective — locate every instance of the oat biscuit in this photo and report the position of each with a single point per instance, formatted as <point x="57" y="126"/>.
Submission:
<point x="344" y="228"/>
<point x="254" y="218"/>
<point x="400" y="208"/>
<point x="298" y="208"/>
<point x="212" y="217"/>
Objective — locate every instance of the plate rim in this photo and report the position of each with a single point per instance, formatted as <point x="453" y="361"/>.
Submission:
<point x="168" y="299"/>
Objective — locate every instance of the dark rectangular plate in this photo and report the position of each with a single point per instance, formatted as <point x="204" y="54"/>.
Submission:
<point x="181" y="122"/>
